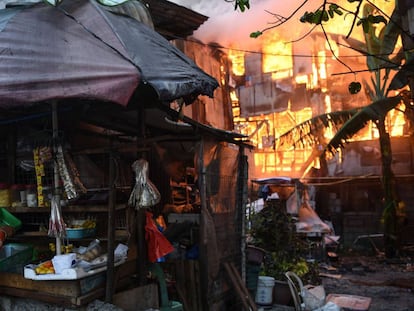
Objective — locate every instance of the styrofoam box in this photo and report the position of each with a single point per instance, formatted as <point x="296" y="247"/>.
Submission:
<point x="66" y="274"/>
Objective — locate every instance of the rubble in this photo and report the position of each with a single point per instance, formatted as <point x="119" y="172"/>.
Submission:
<point x="389" y="283"/>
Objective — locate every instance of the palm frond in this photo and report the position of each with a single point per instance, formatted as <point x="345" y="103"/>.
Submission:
<point x="309" y="133"/>
<point x="373" y="112"/>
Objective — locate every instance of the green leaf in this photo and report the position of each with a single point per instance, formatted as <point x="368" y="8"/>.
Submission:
<point x="325" y="16"/>
<point x="306" y="17"/>
<point x="242" y="5"/>
<point x="376" y="19"/>
<point x="354" y="87"/>
<point x="316" y="18"/>
<point x="374" y="111"/>
<point x="256" y="34"/>
<point x="391" y="33"/>
<point x="333" y="6"/>
<point x="366" y="26"/>
<point x="338" y="11"/>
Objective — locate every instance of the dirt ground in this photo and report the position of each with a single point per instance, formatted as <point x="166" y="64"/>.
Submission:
<point x="389" y="283"/>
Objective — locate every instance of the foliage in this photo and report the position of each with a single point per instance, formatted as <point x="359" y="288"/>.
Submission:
<point x="274" y="231"/>
<point x="326" y="12"/>
<point x="310" y="132"/>
<point x="241" y="4"/>
<point x="373" y="112"/>
<point x="321" y="14"/>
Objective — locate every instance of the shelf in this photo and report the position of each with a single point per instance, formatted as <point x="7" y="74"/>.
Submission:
<point x="119" y="235"/>
<point x="65" y="209"/>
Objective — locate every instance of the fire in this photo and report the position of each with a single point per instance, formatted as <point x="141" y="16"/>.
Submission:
<point x="289" y="65"/>
<point x="237" y="60"/>
<point x="277" y="56"/>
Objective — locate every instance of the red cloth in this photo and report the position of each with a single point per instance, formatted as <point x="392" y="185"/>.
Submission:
<point x="158" y="245"/>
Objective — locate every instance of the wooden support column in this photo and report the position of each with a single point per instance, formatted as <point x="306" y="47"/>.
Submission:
<point x="204" y="284"/>
<point x="140" y="214"/>
<point x="110" y="284"/>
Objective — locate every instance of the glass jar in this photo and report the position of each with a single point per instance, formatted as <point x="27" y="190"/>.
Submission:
<point x="4" y="195"/>
<point x="23" y="196"/>
<point x="31" y="196"/>
<point x="15" y="195"/>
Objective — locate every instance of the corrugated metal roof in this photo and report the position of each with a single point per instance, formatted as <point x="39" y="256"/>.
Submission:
<point x="172" y="20"/>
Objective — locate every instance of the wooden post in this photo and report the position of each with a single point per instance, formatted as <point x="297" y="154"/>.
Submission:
<point x="140" y="214"/>
<point x="203" y="250"/>
<point x="241" y="207"/>
<point x="111" y="228"/>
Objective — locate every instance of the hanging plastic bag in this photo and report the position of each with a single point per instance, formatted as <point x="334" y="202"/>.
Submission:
<point x="144" y="194"/>
<point x="158" y="245"/>
<point x="57" y="227"/>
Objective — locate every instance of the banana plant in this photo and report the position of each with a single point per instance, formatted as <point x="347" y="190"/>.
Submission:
<point x="375" y="48"/>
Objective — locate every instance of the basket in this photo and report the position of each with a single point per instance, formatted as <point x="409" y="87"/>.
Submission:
<point x="7" y="219"/>
<point x="80" y="233"/>
<point x="14" y="256"/>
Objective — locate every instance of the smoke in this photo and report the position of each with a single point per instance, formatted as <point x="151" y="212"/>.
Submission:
<point x="232" y="28"/>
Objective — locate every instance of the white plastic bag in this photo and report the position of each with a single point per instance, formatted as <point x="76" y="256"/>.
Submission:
<point x="313" y="297"/>
<point x="144" y="194"/>
<point x="330" y="306"/>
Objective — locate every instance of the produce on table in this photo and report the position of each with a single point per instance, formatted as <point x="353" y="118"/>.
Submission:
<point x="45" y="267"/>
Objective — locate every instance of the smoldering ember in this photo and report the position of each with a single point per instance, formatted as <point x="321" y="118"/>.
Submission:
<point x="206" y="155"/>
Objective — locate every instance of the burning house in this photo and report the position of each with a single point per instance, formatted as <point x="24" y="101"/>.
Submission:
<point x="286" y="85"/>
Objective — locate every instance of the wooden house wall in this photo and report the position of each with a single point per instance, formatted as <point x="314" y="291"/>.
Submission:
<point x="355" y="204"/>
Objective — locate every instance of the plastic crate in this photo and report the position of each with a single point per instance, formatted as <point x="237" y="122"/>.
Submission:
<point x="7" y="219"/>
<point x="14" y="256"/>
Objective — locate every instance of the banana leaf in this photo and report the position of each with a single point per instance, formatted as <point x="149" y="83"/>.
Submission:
<point x="372" y="112"/>
<point x="309" y="132"/>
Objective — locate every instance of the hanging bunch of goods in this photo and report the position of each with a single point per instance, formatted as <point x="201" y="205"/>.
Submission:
<point x="41" y="155"/>
<point x="57" y="227"/>
<point x="144" y="194"/>
<point x="69" y="174"/>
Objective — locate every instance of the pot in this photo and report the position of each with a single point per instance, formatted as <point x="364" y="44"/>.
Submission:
<point x="281" y="293"/>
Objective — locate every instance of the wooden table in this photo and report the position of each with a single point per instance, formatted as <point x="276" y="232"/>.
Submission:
<point x="64" y="292"/>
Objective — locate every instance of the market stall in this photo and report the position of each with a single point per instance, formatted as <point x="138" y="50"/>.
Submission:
<point x="112" y="109"/>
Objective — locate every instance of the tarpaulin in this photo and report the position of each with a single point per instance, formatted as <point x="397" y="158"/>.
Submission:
<point x="81" y="50"/>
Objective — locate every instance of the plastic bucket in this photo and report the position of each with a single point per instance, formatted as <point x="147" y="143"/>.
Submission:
<point x="264" y="293"/>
